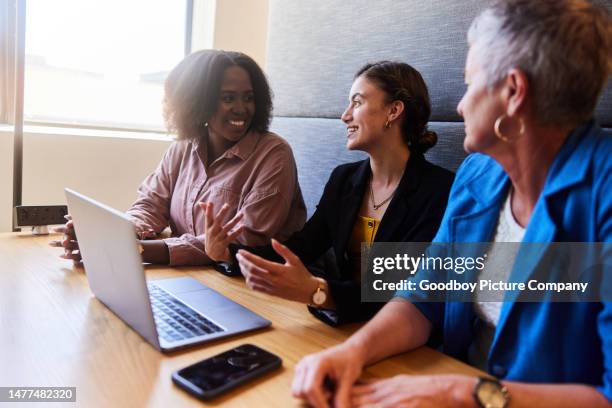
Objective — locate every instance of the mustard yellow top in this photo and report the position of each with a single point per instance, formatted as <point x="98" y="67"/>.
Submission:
<point x="364" y="230"/>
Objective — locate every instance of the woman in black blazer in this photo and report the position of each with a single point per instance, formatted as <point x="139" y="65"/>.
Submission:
<point x="395" y="195"/>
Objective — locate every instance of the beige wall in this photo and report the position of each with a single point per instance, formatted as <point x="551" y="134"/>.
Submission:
<point x="108" y="169"/>
<point x="239" y="25"/>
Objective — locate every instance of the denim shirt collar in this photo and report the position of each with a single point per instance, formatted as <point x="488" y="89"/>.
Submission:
<point x="489" y="187"/>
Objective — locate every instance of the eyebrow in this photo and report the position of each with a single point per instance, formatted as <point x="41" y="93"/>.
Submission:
<point x="229" y="91"/>
<point x="356" y="94"/>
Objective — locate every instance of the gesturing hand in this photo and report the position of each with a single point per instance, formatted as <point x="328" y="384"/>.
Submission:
<point x="68" y="241"/>
<point x="217" y="237"/>
<point x="290" y="280"/>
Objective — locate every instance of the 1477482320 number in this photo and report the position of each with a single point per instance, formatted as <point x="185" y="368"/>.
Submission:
<point x="38" y="394"/>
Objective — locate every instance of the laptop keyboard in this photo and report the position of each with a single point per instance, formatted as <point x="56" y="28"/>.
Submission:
<point x="175" y="320"/>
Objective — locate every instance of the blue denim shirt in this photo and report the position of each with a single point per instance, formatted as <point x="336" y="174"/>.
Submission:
<point x="536" y="342"/>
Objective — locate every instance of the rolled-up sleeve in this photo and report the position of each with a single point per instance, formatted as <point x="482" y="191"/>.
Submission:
<point x="257" y="176"/>
<point x="271" y="209"/>
<point x="150" y="213"/>
<point x="187" y="249"/>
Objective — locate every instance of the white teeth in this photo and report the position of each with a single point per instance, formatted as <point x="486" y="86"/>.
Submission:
<point x="351" y="129"/>
<point x="237" y="122"/>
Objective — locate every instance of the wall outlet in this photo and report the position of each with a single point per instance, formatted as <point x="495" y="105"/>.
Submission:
<point x="35" y="215"/>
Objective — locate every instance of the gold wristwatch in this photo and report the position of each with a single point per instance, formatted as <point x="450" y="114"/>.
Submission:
<point x="490" y="393"/>
<point x="319" y="297"/>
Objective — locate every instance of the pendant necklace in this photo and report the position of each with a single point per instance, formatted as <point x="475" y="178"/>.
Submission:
<point x="383" y="202"/>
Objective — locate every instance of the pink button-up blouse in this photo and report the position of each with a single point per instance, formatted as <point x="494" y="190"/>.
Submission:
<point x="257" y="176"/>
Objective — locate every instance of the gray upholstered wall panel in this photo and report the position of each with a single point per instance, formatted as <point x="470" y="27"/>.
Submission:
<point x="315" y="47"/>
<point x="448" y="152"/>
<point x="604" y="108"/>
<point x="319" y="145"/>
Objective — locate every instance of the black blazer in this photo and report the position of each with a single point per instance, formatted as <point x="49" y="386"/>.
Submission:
<point x="414" y="214"/>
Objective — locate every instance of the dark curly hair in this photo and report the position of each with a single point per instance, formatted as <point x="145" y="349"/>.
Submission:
<point x="401" y="82"/>
<point x="192" y="92"/>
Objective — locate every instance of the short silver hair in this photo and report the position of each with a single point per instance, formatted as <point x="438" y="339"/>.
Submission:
<point x="563" y="46"/>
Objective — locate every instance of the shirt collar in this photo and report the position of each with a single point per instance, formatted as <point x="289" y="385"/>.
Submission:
<point x="573" y="160"/>
<point x="568" y="168"/>
<point x="242" y="149"/>
<point x="245" y="146"/>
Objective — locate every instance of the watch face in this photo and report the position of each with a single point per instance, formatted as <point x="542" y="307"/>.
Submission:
<point x="319" y="297"/>
<point x="490" y="395"/>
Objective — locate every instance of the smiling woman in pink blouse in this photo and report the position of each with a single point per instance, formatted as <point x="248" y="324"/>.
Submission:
<point x="219" y="105"/>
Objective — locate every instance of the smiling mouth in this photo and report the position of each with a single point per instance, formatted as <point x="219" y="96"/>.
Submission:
<point x="237" y="123"/>
<point x="351" y="130"/>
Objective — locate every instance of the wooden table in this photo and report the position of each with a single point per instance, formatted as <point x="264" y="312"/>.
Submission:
<point x="53" y="332"/>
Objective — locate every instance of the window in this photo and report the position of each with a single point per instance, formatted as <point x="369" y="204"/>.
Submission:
<point x="102" y="63"/>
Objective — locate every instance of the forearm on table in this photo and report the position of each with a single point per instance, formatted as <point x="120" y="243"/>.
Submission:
<point x="409" y="327"/>
<point x="524" y="395"/>
<point x="155" y="252"/>
<point x="148" y="219"/>
<point x="187" y="249"/>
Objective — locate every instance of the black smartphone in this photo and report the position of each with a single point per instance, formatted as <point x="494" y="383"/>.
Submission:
<point x="215" y="375"/>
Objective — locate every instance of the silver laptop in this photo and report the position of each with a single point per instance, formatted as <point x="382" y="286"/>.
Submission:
<point x="168" y="313"/>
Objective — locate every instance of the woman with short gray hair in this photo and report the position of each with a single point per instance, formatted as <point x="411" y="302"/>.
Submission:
<point x="540" y="171"/>
<point x="562" y="47"/>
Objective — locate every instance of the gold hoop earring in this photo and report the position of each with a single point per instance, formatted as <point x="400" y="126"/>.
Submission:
<point x="387" y="124"/>
<point x="498" y="132"/>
